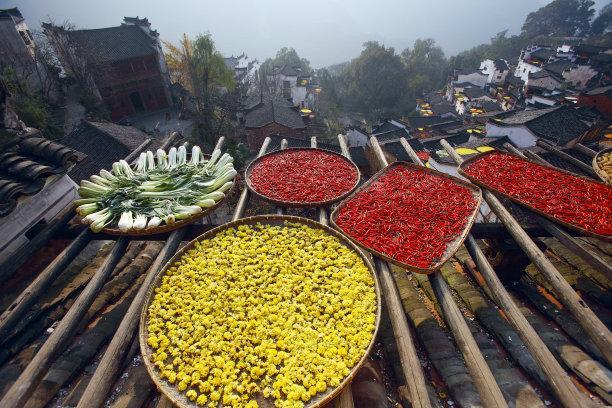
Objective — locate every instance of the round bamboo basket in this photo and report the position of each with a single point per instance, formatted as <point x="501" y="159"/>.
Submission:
<point x="173" y="226"/>
<point x="301" y="204"/>
<point x="600" y="172"/>
<point x="452" y="247"/>
<point x="577" y="228"/>
<point x="177" y="397"/>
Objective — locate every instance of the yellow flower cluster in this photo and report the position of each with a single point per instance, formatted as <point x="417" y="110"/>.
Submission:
<point x="282" y="312"/>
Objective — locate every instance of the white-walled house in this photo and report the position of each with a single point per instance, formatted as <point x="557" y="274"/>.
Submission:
<point x="543" y="79"/>
<point x="558" y="125"/>
<point x="496" y="70"/>
<point x="575" y="74"/>
<point x="290" y="83"/>
<point x="475" y="77"/>
<point x="357" y="137"/>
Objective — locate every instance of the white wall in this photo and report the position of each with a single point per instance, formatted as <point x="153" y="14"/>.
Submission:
<point x="356" y="138"/>
<point x="580" y="75"/>
<point x="523" y="69"/>
<point x="493" y="75"/>
<point x="547" y="82"/>
<point x="477" y="78"/>
<point x="519" y="135"/>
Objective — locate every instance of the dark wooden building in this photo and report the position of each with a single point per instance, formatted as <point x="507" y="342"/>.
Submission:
<point x="125" y="63"/>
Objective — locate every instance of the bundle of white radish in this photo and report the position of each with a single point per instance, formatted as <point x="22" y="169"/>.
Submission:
<point x="164" y="187"/>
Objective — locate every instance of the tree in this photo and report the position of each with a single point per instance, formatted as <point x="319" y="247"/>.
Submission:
<point x="286" y="56"/>
<point x="201" y="69"/>
<point x="425" y="66"/>
<point x="603" y="22"/>
<point x="560" y="18"/>
<point x="376" y="81"/>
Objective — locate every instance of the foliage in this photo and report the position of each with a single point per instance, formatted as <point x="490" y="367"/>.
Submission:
<point x="603" y="22"/>
<point x="425" y="67"/>
<point x="286" y="56"/>
<point x="239" y="151"/>
<point x="560" y="18"/>
<point x="201" y="69"/>
<point x="376" y="81"/>
<point x="95" y="109"/>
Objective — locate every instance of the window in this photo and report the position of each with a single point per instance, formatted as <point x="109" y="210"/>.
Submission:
<point x="25" y="38"/>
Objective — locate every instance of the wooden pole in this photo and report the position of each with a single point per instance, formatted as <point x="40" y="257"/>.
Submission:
<point x="567" y="157"/>
<point x="411" y="366"/>
<point x="560" y="383"/>
<point x="279" y="209"/>
<point x="483" y="378"/>
<point x="23" y="387"/>
<point x="566" y="239"/>
<point x="20" y="306"/>
<point x="244" y="197"/>
<point x="585" y="150"/>
<point x="596" y="330"/>
<point x="107" y="371"/>
<point x="109" y="368"/>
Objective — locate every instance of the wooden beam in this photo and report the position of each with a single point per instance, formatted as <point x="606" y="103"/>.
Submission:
<point x="583" y="166"/>
<point x="281" y="210"/>
<point x="244" y="197"/>
<point x="411" y="366"/>
<point x="560" y="383"/>
<point x="23" y="387"/>
<point x="108" y="370"/>
<point x="20" y="306"/>
<point x="585" y="150"/>
<point x="596" y="330"/>
<point x="485" y="383"/>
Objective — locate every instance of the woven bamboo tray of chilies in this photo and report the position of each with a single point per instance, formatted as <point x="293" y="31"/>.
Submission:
<point x="551" y="217"/>
<point x="451" y="247"/>
<point x="321" y="185"/>
<point x="179" y="398"/>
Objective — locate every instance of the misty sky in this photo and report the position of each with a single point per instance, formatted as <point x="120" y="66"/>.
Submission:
<point x="323" y="31"/>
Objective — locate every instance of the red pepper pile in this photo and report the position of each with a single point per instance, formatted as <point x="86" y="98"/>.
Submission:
<point x="408" y="214"/>
<point x="303" y="176"/>
<point x="571" y="199"/>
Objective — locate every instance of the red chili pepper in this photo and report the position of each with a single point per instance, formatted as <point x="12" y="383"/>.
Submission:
<point x="408" y="214"/>
<point x="570" y="199"/>
<point x="303" y="176"/>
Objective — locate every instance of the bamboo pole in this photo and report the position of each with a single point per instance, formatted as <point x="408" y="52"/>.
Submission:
<point x="107" y="371"/>
<point x="485" y="383"/>
<point x="279" y="209"/>
<point x="411" y="366"/>
<point x="567" y="157"/>
<point x="596" y="330"/>
<point x="244" y="197"/>
<point x="20" y="306"/>
<point x="23" y="387"/>
<point x="585" y="150"/>
<point x="109" y="368"/>
<point x="559" y="381"/>
<point x="566" y="239"/>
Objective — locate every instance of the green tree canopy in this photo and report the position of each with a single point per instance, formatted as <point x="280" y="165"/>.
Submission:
<point x="376" y="81"/>
<point x="560" y="18"/>
<point x="425" y="66"/>
<point x="287" y="56"/>
<point x="603" y="22"/>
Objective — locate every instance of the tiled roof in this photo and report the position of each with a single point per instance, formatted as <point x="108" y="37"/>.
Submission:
<point x="426" y="121"/>
<point x="490" y="106"/>
<point x="386" y="126"/>
<point x="543" y="53"/>
<point x="358" y="156"/>
<point x="558" y="67"/>
<point x="11" y="14"/>
<point x="26" y="163"/>
<point x="274" y="110"/>
<point x="113" y="43"/>
<point x="514" y="80"/>
<point x="288" y="70"/>
<point x="104" y="144"/>
<point x="501" y="65"/>
<point x="442" y="108"/>
<point x="540" y="74"/>
<point x="598" y="91"/>
<point x="396" y="150"/>
<point x="391" y="134"/>
<point x="558" y="125"/>
<point x="474" y="92"/>
<point x="433" y="143"/>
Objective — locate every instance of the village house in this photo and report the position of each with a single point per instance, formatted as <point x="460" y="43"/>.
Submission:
<point x="543" y="80"/>
<point x="356" y="137"/>
<point x="291" y="83"/>
<point x="577" y="75"/>
<point x="264" y="115"/>
<point x="560" y="126"/>
<point x="245" y="71"/>
<point x="601" y="98"/>
<point x="532" y="59"/>
<point x="496" y="70"/>
<point x="435" y="104"/>
<point x="18" y="52"/>
<point x="124" y="65"/>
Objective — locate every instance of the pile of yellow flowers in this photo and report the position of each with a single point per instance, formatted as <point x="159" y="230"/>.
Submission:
<point x="282" y="312"/>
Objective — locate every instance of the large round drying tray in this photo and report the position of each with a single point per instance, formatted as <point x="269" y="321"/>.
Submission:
<point x="160" y="229"/>
<point x="602" y="174"/>
<point x="301" y="204"/>
<point x="171" y="391"/>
